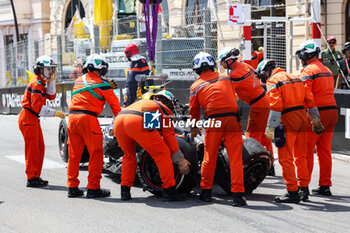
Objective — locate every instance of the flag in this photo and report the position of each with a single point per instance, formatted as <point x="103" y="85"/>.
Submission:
<point x="103" y="13"/>
<point x="31" y="75"/>
<point x="70" y="28"/>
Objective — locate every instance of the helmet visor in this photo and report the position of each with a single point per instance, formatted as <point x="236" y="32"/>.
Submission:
<point x="221" y="67"/>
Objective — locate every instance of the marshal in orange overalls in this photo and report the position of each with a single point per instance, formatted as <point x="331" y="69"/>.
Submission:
<point x="84" y="129"/>
<point x="320" y="81"/>
<point x="215" y="94"/>
<point x="29" y="123"/>
<point x="249" y="90"/>
<point x="129" y="130"/>
<point x="287" y="95"/>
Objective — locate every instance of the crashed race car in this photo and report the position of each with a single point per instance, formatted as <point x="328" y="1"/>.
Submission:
<point x="256" y="161"/>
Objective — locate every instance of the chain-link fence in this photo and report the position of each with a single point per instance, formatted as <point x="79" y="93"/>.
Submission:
<point x="173" y="54"/>
<point x="17" y="58"/>
<point x="279" y="41"/>
<point x="274" y="37"/>
<point x="183" y="34"/>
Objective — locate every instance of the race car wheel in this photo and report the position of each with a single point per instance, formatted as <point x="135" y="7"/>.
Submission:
<point x="63" y="146"/>
<point x="256" y="165"/>
<point x="222" y="172"/>
<point x="149" y="177"/>
<point x="62" y="140"/>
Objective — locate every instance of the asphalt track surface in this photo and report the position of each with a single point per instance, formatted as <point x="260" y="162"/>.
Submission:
<point x="48" y="209"/>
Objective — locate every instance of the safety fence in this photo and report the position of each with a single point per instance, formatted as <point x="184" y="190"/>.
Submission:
<point x="183" y="34"/>
<point x="174" y="52"/>
<point x="274" y="37"/>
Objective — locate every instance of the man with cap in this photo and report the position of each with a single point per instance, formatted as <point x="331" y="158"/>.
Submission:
<point x="288" y="95"/>
<point x="328" y="60"/>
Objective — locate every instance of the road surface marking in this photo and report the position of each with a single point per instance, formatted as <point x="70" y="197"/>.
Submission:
<point x="48" y="163"/>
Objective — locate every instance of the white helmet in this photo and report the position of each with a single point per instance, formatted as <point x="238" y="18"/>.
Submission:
<point x="43" y="62"/>
<point x="166" y="97"/>
<point x="227" y="53"/>
<point x="203" y="61"/>
<point x="95" y="62"/>
<point x="307" y="49"/>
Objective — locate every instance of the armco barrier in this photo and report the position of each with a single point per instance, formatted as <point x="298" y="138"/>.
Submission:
<point x="11" y="104"/>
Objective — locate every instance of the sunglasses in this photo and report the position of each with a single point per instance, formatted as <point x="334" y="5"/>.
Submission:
<point x="331" y="42"/>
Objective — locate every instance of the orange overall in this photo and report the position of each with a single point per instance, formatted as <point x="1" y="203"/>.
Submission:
<point x="129" y="130"/>
<point x="84" y="129"/>
<point x="215" y="94"/>
<point x="249" y="90"/>
<point x="255" y="59"/>
<point x="33" y="100"/>
<point x="288" y="95"/>
<point x="321" y="83"/>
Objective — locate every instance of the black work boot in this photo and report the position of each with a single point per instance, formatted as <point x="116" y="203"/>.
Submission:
<point x="304" y="193"/>
<point x="37" y="182"/>
<point x="238" y="200"/>
<point x="93" y="193"/>
<point x="289" y="197"/>
<point x="205" y="195"/>
<point x="170" y="194"/>
<point x="323" y="190"/>
<point x="75" y="192"/>
<point x="272" y="171"/>
<point x="125" y="193"/>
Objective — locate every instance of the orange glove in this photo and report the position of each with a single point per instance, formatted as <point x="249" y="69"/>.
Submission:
<point x="60" y="114"/>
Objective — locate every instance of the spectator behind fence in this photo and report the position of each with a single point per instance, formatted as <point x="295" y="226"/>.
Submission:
<point x="345" y="67"/>
<point x="328" y="60"/>
<point x="77" y="71"/>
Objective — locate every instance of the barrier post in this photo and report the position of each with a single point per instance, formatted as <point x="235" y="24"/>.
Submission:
<point x="316" y="20"/>
<point x="247" y="32"/>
